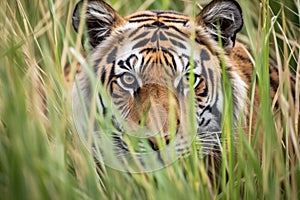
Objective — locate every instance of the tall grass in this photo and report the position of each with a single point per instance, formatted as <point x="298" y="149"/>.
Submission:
<point x="42" y="157"/>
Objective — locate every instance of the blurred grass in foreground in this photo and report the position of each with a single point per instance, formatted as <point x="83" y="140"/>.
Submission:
<point x="43" y="158"/>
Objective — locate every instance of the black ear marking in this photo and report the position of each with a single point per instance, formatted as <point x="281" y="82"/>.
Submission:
<point x="100" y="19"/>
<point x="227" y="14"/>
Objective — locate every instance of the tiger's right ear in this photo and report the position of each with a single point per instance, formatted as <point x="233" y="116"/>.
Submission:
<point x="100" y="20"/>
<point x="225" y="15"/>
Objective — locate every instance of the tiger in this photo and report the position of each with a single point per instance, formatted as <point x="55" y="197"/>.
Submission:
<point x="153" y="65"/>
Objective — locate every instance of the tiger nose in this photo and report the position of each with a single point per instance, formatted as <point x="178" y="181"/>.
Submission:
<point x="154" y="141"/>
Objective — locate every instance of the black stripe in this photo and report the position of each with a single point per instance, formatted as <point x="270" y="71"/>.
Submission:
<point x="178" y="44"/>
<point x="142" y="64"/>
<point x="174" y="36"/>
<point x="116" y="96"/>
<point x="128" y="61"/>
<point x="158" y="24"/>
<point x="201" y="122"/>
<point x="102" y="104"/>
<point x="162" y="36"/>
<point x="207" y="108"/>
<point x="112" y="72"/>
<point x="142" y="35"/>
<point x="112" y="55"/>
<point x="140" y="44"/>
<point x="201" y="106"/>
<point x="142" y="15"/>
<point x="178" y="30"/>
<point x="175" y="21"/>
<point x="140" y="20"/>
<point x="154" y="37"/>
<point x="133" y="32"/>
<point x="122" y="65"/>
<point x="173" y="64"/>
<point x="103" y="75"/>
<point x="207" y="122"/>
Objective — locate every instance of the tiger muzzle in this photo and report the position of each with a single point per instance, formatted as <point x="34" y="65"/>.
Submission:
<point x="157" y="110"/>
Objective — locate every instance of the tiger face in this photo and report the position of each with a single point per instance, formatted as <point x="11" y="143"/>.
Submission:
<point x="162" y="71"/>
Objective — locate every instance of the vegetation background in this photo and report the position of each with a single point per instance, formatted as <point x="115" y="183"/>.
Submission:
<point x="43" y="157"/>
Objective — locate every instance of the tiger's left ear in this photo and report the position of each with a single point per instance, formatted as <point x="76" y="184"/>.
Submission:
<point x="225" y="15"/>
<point x="100" y="19"/>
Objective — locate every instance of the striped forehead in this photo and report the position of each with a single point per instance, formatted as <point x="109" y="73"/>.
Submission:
<point x="152" y="35"/>
<point x="163" y="16"/>
<point x="166" y="31"/>
<point x="156" y="29"/>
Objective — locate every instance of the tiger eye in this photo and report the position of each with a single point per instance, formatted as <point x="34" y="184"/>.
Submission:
<point x="186" y="78"/>
<point x="128" y="79"/>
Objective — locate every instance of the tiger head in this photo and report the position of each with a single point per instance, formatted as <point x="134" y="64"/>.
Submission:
<point x="162" y="71"/>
